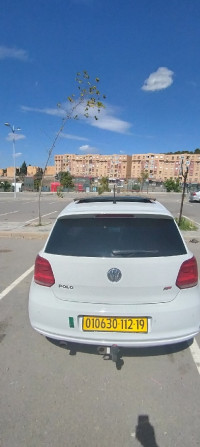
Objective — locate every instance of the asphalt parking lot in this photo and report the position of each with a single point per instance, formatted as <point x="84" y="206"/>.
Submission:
<point x="54" y="397"/>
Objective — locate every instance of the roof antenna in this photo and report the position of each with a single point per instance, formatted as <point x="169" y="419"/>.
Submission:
<point x="114" y="199"/>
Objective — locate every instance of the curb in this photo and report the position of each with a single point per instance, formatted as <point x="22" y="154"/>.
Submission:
<point x="21" y="235"/>
<point x="43" y="235"/>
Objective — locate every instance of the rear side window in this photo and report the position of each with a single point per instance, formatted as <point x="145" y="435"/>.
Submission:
<point x="115" y="237"/>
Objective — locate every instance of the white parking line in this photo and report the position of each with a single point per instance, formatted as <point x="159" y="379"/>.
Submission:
<point x="10" y="212"/>
<point x="195" y="351"/>
<point x="36" y="218"/>
<point x="25" y="203"/>
<point x="16" y="282"/>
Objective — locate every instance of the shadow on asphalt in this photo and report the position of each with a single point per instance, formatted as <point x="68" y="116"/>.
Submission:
<point x="145" y="432"/>
<point x="74" y="348"/>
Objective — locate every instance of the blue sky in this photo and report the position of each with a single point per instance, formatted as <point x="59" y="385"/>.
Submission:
<point x="145" y="52"/>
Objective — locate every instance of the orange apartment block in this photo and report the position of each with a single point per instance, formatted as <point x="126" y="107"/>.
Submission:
<point x="50" y="171"/>
<point x="161" y="167"/>
<point x="32" y="170"/>
<point x="10" y="171"/>
<point x="95" y="165"/>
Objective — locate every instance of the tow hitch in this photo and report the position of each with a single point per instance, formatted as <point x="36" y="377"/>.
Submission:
<point x="111" y="353"/>
<point x="115" y="353"/>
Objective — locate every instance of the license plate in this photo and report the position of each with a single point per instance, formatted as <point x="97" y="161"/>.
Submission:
<point x="115" y="324"/>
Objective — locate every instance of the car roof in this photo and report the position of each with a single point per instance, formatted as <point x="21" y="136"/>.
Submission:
<point x="115" y="205"/>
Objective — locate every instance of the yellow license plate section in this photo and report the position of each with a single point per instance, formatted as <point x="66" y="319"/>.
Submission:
<point x="115" y="324"/>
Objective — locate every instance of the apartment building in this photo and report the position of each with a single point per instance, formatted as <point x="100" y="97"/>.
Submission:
<point x="10" y="172"/>
<point x="32" y="170"/>
<point x="161" y="167"/>
<point x="50" y="171"/>
<point x="95" y="165"/>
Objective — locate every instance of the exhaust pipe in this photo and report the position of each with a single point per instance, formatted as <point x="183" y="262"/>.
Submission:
<point x="63" y="343"/>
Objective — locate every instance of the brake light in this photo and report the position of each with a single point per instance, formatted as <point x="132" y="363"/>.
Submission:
<point x="43" y="274"/>
<point x="114" y="216"/>
<point x="194" y="194"/>
<point x="188" y="274"/>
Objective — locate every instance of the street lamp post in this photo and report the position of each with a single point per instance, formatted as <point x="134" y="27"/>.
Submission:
<point x="13" y="129"/>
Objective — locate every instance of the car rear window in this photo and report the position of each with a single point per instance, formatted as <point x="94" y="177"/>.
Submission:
<point x="115" y="237"/>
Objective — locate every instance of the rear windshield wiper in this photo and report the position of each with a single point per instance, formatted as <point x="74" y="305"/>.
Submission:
<point x="134" y="252"/>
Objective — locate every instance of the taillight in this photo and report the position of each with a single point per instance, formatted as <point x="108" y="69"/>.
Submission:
<point x="188" y="274"/>
<point x="194" y="194"/>
<point x="43" y="274"/>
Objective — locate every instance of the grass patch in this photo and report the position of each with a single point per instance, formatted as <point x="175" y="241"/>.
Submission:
<point x="186" y="224"/>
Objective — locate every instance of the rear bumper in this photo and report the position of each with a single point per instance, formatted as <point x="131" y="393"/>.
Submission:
<point x="194" y="199"/>
<point x="169" y="323"/>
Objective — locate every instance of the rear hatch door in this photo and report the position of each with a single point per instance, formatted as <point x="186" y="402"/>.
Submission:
<point x="145" y="252"/>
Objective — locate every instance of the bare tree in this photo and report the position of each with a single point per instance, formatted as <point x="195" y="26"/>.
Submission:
<point x="184" y="175"/>
<point x="143" y="178"/>
<point x="88" y="98"/>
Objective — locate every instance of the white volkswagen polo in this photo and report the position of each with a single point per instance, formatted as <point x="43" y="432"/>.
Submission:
<point x="115" y="271"/>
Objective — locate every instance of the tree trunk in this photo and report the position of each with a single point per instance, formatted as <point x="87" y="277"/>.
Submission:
<point x="182" y="198"/>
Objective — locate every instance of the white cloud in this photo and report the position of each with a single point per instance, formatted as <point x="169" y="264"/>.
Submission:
<point x="18" y="154"/>
<point x="106" y="118"/>
<point x="159" y="80"/>
<point x="15" y="136"/>
<point x="73" y="137"/>
<point x="88" y="149"/>
<point x="107" y="121"/>
<point x="13" y="53"/>
<point x="47" y="111"/>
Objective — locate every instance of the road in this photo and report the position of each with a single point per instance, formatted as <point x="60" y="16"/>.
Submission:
<point x="24" y="209"/>
<point x="52" y="397"/>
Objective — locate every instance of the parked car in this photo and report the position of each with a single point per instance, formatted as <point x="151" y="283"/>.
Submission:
<point x="115" y="271"/>
<point x="194" y="196"/>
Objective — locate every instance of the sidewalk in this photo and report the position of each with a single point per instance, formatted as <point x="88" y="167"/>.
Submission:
<point x="30" y="231"/>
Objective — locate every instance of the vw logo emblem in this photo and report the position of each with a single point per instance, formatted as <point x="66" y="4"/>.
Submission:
<point x="114" y="275"/>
